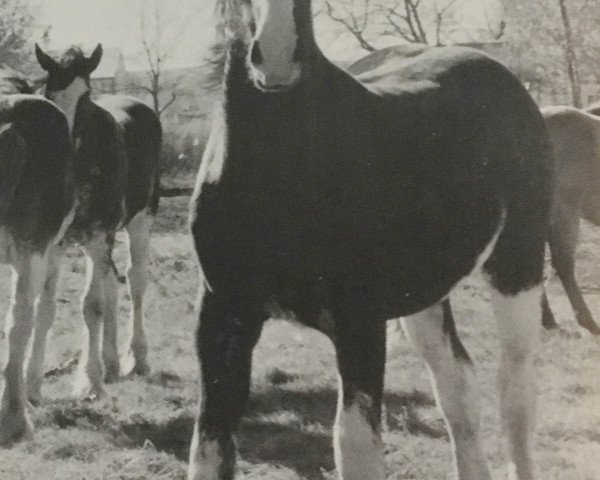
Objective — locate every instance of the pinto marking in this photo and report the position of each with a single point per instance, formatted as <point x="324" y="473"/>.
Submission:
<point x="368" y="197"/>
<point x="517" y="318"/>
<point x="36" y="198"/>
<point x="116" y="138"/>
<point x="68" y="98"/>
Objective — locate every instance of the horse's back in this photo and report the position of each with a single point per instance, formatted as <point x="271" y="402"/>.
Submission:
<point x="35" y="168"/>
<point x="474" y="139"/>
<point x="142" y="134"/>
<point x="575" y="138"/>
<point x="593" y="109"/>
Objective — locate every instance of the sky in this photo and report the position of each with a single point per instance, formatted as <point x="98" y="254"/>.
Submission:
<point x="116" y="23"/>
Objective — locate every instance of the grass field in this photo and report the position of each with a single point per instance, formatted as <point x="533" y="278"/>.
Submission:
<point x="142" y="429"/>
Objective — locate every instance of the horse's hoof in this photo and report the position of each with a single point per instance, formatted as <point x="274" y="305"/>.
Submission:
<point x="142" y="369"/>
<point x="15" y="427"/>
<point x="84" y="388"/>
<point x="34" y="397"/>
<point x="131" y="365"/>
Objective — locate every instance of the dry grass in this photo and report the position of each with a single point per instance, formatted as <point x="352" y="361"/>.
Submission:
<point x="142" y="429"/>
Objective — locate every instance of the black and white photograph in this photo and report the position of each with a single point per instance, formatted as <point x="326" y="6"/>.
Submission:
<point x="299" y="239"/>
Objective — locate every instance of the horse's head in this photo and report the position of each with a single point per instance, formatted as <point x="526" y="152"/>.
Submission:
<point x="69" y="77"/>
<point x="282" y="35"/>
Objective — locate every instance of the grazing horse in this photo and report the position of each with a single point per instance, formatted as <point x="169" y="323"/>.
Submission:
<point x="345" y="202"/>
<point x="575" y="139"/>
<point x="117" y="142"/>
<point x="36" y="205"/>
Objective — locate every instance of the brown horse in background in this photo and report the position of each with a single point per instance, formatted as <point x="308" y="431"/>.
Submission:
<point x="575" y="138"/>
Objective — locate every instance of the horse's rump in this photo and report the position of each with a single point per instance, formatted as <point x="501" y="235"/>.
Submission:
<point x="38" y="176"/>
<point x="142" y="133"/>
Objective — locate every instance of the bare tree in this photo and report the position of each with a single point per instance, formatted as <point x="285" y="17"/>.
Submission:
<point x="570" y="56"/>
<point x="564" y="46"/>
<point x="161" y="35"/>
<point x="412" y="21"/>
<point x="16" y="27"/>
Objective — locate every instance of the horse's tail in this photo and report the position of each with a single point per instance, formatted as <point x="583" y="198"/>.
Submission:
<point x="49" y="159"/>
<point x="13" y="156"/>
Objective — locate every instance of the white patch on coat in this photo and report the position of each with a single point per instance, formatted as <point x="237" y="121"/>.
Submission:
<point x="455" y="388"/>
<point x="277" y="39"/>
<point x="66" y="223"/>
<point x="205" y="458"/>
<point x="358" y="449"/>
<point x="68" y="98"/>
<point x="519" y="319"/>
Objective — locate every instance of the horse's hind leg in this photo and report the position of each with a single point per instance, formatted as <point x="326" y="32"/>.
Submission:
<point x="225" y="340"/>
<point x="110" y="349"/>
<point x="138" y="231"/>
<point x="563" y="237"/>
<point x="433" y="333"/>
<point x="516" y="270"/>
<point x="89" y="380"/>
<point x="548" y="320"/>
<point x="46" y="311"/>
<point x="360" y="350"/>
<point x="518" y="319"/>
<point x="29" y="275"/>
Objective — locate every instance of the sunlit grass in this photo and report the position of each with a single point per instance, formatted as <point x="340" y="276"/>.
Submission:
<point x="142" y="429"/>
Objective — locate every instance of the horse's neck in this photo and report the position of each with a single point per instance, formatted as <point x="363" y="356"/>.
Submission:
<point x="83" y="115"/>
<point x="243" y="98"/>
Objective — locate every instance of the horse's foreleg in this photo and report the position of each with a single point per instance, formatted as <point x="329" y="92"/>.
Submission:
<point x="46" y="312"/>
<point x="29" y="276"/>
<point x="433" y="333"/>
<point x="225" y="342"/>
<point x="360" y="349"/>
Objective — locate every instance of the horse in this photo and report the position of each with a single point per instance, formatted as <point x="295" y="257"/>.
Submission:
<point x="117" y="141"/>
<point x="575" y="139"/>
<point x="37" y="200"/>
<point x="342" y="202"/>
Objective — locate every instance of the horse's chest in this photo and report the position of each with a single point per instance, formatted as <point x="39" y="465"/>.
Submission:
<point x="259" y="233"/>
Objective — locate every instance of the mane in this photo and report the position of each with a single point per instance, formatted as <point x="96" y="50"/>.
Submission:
<point x="230" y="19"/>
<point x="73" y="57"/>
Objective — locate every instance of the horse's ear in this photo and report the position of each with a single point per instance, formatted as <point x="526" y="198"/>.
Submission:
<point x="94" y="59"/>
<point x="45" y="60"/>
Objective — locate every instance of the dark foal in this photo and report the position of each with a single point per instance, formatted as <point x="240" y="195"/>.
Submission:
<point x="117" y="143"/>
<point x="36" y="206"/>
<point x="349" y="201"/>
<point x="575" y="138"/>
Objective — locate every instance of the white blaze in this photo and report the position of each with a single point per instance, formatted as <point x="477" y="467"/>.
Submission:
<point x="68" y="98"/>
<point x="277" y="39"/>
